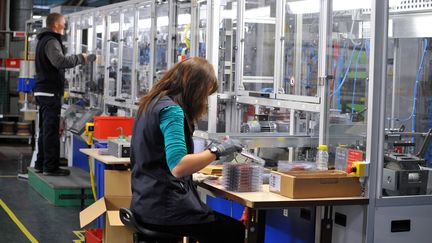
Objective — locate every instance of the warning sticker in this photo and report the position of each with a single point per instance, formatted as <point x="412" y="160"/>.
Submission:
<point x="275" y="182"/>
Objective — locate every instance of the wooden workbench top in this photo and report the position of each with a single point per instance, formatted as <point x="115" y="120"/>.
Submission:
<point x="269" y="200"/>
<point x="106" y="159"/>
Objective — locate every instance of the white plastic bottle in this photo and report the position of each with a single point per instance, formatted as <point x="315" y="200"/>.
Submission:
<point x="322" y="157"/>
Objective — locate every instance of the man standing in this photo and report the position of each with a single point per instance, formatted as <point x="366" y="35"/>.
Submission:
<point x="51" y="63"/>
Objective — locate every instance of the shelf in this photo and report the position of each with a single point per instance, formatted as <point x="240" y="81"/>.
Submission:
<point x="9" y="69"/>
<point x="279" y="103"/>
<point x="263" y="140"/>
<point x="29" y="137"/>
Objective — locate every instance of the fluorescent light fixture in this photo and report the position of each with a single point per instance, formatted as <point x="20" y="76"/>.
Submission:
<point x="89" y="40"/>
<point x="99" y="28"/>
<point x="144" y="23"/>
<point x="41" y="7"/>
<point x="228" y="14"/>
<point x="313" y="6"/>
<point x="36" y="17"/>
<point x="162" y="21"/>
<point x="203" y="12"/>
<point x="184" y="19"/>
<point x="263" y="12"/>
<point x="114" y="27"/>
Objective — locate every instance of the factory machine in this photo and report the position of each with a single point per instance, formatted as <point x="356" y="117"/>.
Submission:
<point x="292" y="75"/>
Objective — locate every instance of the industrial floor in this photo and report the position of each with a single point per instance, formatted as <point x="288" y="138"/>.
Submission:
<point x="25" y="216"/>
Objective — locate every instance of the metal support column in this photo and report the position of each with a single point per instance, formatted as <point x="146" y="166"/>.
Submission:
<point x="120" y="56"/>
<point x="134" y="88"/>
<point x="213" y="20"/>
<point x="395" y="81"/>
<point x="376" y="108"/>
<point x="107" y="56"/>
<point x="323" y="66"/>
<point x="255" y="226"/>
<point x="194" y="30"/>
<point x="152" y="78"/>
<point x="172" y="25"/>
<point x="279" y="46"/>
<point x="325" y="34"/>
<point x="212" y="54"/>
<point x="241" y="5"/>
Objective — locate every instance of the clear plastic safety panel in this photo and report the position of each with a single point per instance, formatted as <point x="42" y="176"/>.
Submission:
<point x="202" y="29"/>
<point x="227" y="45"/>
<point x="408" y="105"/>
<point x="259" y="45"/>
<point x="162" y="36"/>
<point x="349" y="65"/>
<point x="127" y="52"/>
<point x="300" y="62"/>
<point x="85" y="45"/>
<point x="183" y="32"/>
<point x="113" y="40"/>
<point x="144" y="38"/>
<point x="70" y="48"/>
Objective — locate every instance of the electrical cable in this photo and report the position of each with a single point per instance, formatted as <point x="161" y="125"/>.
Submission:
<point x="355" y="78"/>
<point x="92" y="179"/>
<point x="425" y="43"/>
<point x="412" y="116"/>
<point x="337" y="90"/>
<point x="89" y="133"/>
<point x="338" y="73"/>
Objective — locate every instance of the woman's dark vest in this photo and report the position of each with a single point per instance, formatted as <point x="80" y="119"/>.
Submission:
<point x="157" y="196"/>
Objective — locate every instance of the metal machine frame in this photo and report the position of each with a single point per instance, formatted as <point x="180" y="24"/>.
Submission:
<point x="232" y="95"/>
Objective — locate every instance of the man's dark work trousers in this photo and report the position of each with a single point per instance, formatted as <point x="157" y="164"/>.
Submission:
<point x="49" y="140"/>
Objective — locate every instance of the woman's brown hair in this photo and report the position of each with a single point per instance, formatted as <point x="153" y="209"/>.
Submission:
<point x="188" y="83"/>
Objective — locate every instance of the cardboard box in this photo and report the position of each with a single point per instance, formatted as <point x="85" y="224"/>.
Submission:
<point x="29" y="115"/>
<point x="117" y="194"/>
<point x="314" y="184"/>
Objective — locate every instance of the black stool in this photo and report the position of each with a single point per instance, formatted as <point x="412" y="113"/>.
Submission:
<point x="144" y="234"/>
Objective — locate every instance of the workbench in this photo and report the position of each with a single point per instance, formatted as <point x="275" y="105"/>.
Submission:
<point x="258" y="202"/>
<point x="102" y="163"/>
<point x="106" y="159"/>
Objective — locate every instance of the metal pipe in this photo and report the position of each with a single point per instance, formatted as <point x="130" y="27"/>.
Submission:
<point x="395" y="80"/>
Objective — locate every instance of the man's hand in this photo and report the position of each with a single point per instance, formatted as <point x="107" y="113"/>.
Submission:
<point x="61" y="126"/>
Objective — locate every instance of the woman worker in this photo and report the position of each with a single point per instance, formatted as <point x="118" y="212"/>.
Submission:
<point x="164" y="197"/>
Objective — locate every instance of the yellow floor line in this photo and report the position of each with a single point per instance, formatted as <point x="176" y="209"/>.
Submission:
<point x="80" y="235"/>
<point x="18" y="223"/>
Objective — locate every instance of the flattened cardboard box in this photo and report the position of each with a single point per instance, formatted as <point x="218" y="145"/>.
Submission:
<point x="314" y="184"/>
<point x="117" y="194"/>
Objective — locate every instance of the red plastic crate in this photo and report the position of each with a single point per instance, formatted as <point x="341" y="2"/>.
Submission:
<point x="93" y="235"/>
<point x="13" y="62"/>
<point x="106" y="126"/>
